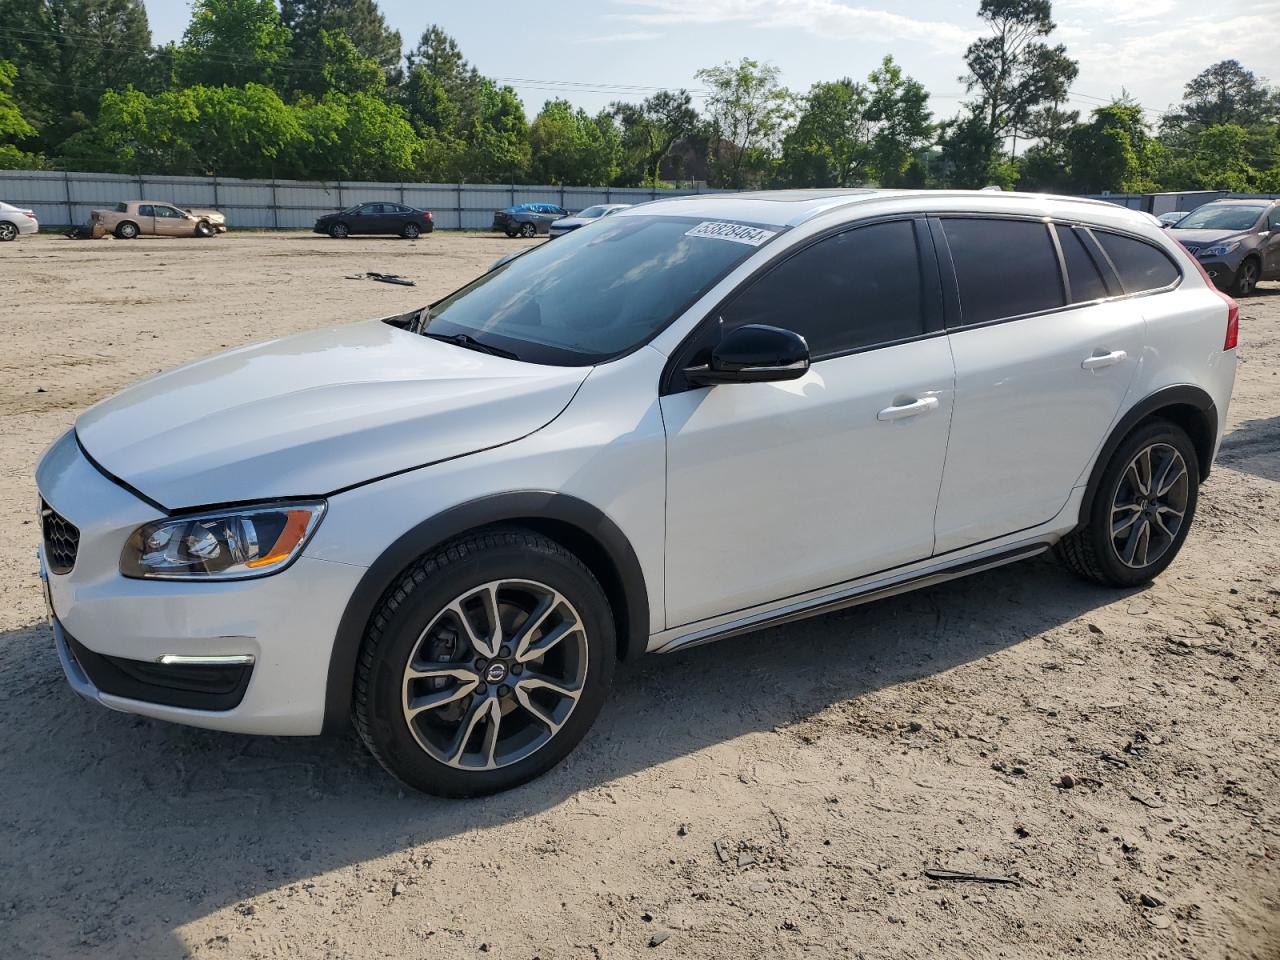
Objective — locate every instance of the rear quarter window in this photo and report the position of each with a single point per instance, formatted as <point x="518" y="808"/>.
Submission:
<point x="1140" y="266"/>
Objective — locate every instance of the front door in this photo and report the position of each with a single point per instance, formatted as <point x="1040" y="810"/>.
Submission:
<point x="775" y="489"/>
<point x="1041" y="371"/>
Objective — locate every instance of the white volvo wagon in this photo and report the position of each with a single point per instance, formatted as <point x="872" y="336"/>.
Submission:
<point x="700" y="417"/>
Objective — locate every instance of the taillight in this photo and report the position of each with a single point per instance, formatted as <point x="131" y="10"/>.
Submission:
<point x="427" y="215"/>
<point x="1233" y="324"/>
<point x="1233" y="309"/>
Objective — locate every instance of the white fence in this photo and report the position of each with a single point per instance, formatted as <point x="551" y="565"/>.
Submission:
<point x="66" y="198"/>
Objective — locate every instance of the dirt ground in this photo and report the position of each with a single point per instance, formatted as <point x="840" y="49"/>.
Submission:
<point x="780" y="795"/>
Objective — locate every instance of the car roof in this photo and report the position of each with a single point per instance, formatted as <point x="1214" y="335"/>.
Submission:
<point x="790" y="208"/>
<point x="1241" y="202"/>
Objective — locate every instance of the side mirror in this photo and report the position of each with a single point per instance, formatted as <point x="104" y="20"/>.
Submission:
<point x="754" y="353"/>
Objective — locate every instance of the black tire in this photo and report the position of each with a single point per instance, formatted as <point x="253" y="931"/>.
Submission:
<point x="128" y="230"/>
<point x="528" y="231"/>
<point x="339" y="231"/>
<point x="410" y="231"/>
<point x="417" y="598"/>
<point x="8" y="231"/>
<point x="512" y="232"/>
<point x="1091" y="551"/>
<point x="1246" y="280"/>
<point x="204" y="229"/>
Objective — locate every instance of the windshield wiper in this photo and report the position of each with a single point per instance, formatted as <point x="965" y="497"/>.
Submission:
<point x="471" y="343"/>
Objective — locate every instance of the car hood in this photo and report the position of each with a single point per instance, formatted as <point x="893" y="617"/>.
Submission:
<point x="316" y="413"/>
<point x="1202" y="237"/>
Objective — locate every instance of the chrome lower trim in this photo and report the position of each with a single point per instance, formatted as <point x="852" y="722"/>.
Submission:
<point x="850" y="596"/>
<point x="230" y="660"/>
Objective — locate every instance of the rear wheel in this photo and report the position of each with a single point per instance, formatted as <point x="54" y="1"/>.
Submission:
<point x="486" y="663"/>
<point x="127" y="230"/>
<point x="528" y="230"/>
<point x="339" y="231"/>
<point x="1246" y="278"/>
<point x="8" y="232"/>
<point x="1142" y="510"/>
<point x="410" y="231"/>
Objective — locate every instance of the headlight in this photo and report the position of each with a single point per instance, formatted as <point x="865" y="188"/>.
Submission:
<point x="1220" y="249"/>
<point x="227" y="545"/>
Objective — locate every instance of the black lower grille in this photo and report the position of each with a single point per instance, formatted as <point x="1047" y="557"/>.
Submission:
<point x="196" y="687"/>
<point x="61" y="540"/>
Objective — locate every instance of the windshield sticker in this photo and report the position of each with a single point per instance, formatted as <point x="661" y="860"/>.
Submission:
<point x="737" y="232"/>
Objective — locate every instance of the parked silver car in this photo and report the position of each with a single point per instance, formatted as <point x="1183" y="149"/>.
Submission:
<point x="1236" y="241"/>
<point x="601" y="210"/>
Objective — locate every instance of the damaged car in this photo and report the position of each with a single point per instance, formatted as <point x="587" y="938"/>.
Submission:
<point x="148" y="218"/>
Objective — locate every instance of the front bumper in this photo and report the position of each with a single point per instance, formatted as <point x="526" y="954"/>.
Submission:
<point x="280" y="626"/>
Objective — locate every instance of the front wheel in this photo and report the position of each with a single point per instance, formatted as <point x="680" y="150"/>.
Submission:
<point x="486" y="663"/>
<point x="1142" y="510"/>
<point x="204" y="229"/>
<point x="1246" y="279"/>
<point x="339" y="231"/>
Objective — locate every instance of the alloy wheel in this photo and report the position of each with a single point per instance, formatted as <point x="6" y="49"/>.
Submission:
<point x="1248" y="278"/>
<point x="495" y="675"/>
<point x="528" y="230"/>
<point x="8" y="231"/>
<point x="1149" y="505"/>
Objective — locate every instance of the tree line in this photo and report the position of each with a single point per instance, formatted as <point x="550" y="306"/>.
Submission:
<point x="322" y="89"/>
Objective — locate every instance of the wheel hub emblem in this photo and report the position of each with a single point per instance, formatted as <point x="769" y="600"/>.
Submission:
<point x="496" y="673"/>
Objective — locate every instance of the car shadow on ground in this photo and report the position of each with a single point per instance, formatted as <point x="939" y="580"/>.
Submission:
<point x="1253" y="447"/>
<point x="150" y="826"/>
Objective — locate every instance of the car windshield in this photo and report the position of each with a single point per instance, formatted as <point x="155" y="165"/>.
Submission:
<point x="592" y="212"/>
<point x="595" y="294"/>
<point x="1220" y="217"/>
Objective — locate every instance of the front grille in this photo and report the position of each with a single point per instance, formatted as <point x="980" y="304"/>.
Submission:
<point x="61" y="540"/>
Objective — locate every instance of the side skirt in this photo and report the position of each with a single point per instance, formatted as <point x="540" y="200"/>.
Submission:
<point x="849" y="596"/>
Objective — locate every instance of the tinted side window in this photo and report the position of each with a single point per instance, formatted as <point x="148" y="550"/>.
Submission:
<point x="146" y="210"/>
<point x="1139" y="265"/>
<point x="1005" y="268"/>
<point x="1274" y="222"/>
<point x="855" y="289"/>
<point x="1082" y="273"/>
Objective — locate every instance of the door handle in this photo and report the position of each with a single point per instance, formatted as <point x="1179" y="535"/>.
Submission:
<point x="913" y="409"/>
<point x="1098" y="361"/>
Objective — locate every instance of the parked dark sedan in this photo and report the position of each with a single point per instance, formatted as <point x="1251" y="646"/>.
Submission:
<point x="528" y="219"/>
<point x="377" y="218"/>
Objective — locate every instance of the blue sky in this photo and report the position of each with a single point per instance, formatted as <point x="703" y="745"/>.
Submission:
<point x="590" y="51"/>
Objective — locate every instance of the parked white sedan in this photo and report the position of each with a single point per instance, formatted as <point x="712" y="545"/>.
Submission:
<point x="568" y="224"/>
<point x="15" y="221"/>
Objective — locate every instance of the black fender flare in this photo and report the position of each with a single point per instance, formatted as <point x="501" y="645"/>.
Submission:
<point x="577" y="525"/>
<point x="1189" y="406"/>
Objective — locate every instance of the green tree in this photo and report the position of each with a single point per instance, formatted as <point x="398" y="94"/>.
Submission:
<point x="232" y="43"/>
<point x="747" y="109"/>
<point x="347" y="70"/>
<point x="1227" y="93"/>
<point x="650" y="130"/>
<point x="360" y="20"/>
<point x="900" y="122"/>
<point x="969" y="151"/>
<point x="357" y="137"/>
<point x="496" y="139"/>
<point x="1113" y="151"/>
<point x="569" y="146"/>
<point x="830" y="144"/>
<point x="1013" y="69"/>
<point x="13" y="125"/>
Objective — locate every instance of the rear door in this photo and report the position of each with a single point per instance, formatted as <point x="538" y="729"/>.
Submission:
<point x="1271" y="246"/>
<point x="1043" y="361"/>
<point x="775" y="489"/>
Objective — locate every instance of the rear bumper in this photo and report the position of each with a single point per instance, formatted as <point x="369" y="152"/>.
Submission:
<point x="27" y="226"/>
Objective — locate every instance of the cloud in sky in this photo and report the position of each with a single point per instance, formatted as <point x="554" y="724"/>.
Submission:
<point x="828" y="19"/>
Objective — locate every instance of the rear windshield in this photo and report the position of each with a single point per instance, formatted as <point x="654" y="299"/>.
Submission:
<point x="595" y="294"/>
<point x="1220" y="217"/>
<point x="592" y="212"/>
